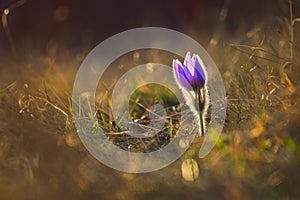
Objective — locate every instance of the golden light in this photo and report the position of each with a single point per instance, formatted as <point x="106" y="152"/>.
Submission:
<point x="6" y="11"/>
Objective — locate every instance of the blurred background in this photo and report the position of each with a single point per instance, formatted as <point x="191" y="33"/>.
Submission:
<point x="77" y="24"/>
<point x="42" y="44"/>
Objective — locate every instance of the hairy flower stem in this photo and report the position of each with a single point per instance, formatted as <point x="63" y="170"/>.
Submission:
<point x="200" y="100"/>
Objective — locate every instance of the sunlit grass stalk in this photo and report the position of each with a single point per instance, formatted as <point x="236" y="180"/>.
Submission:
<point x="291" y="29"/>
<point x="292" y="24"/>
<point x="5" y="26"/>
<point x="171" y="129"/>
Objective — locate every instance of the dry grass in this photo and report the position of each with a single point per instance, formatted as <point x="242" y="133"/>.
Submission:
<point x="257" y="156"/>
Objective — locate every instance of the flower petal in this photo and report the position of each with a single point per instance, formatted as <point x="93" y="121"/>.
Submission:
<point x="190" y="78"/>
<point x="188" y="62"/>
<point x="180" y="75"/>
<point x="200" y="73"/>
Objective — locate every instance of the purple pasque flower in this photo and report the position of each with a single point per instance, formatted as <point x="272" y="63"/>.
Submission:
<point x="191" y="78"/>
<point x="191" y="75"/>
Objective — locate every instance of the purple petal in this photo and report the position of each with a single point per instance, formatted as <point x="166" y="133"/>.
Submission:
<point x="187" y="58"/>
<point x="190" y="77"/>
<point x="188" y="62"/>
<point x="200" y="73"/>
<point x="180" y="74"/>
